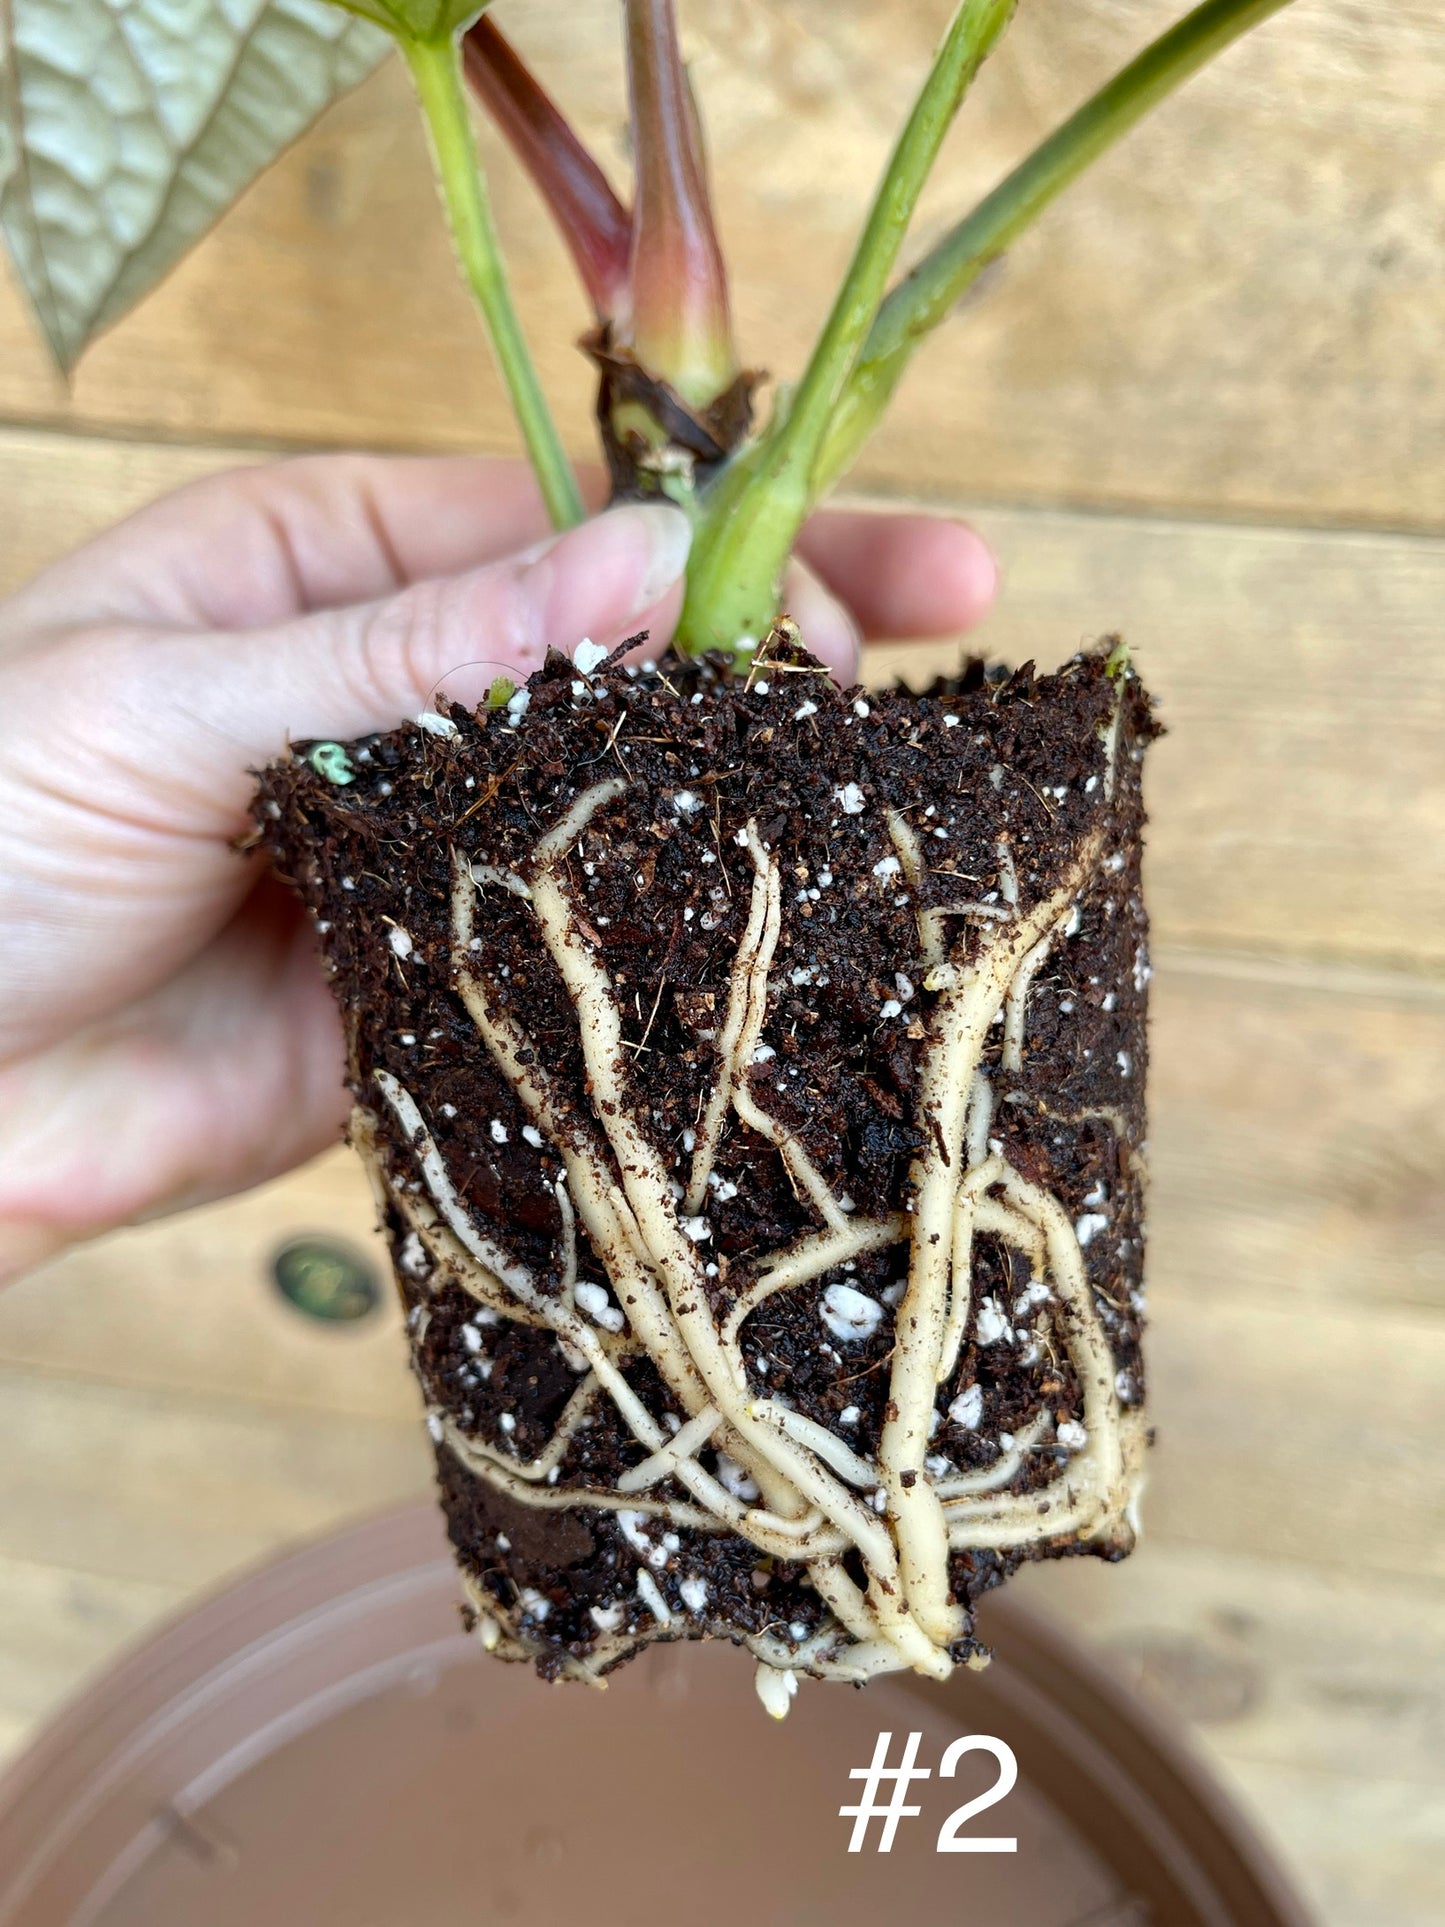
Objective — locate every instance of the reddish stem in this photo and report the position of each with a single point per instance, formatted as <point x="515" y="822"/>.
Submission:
<point x="593" y="222"/>
<point x="678" y="328"/>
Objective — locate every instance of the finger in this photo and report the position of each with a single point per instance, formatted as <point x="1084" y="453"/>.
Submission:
<point x="159" y="731"/>
<point x="125" y="767"/>
<point x="902" y="575"/>
<point x="349" y="671"/>
<point x="828" y="629"/>
<point x="226" y="1075"/>
<point x="260" y="545"/>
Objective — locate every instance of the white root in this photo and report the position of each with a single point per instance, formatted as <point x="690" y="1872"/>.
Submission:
<point x="577" y="1409"/>
<point x="818" y="1500"/>
<point x="962" y="1021"/>
<point x="559" y="1318"/>
<point x="829" y="1447"/>
<point x="997" y="1216"/>
<point x="931" y="934"/>
<point x="1094" y="1486"/>
<point x="503" y="879"/>
<point x="1005" y="1468"/>
<point x="1008" y="876"/>
<point x="452" y="1264"/>
<point x="662" y="1465"/>
<point x="806" y="1176"/>
<point x="960" y="1290"/>
<point x="564" y="833"/>
<point x="569" y="1238"/>
<point x="517" y="1279"/>
<point x="747" y="1005"/>
<point x="1015" y="1008"/>
<point x="810" y="1258"/>
<point x="978" y="1119"/>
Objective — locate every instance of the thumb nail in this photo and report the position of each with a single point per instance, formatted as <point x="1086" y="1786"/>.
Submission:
<point x="598" y="578"/>
<point x="664" y="536"/>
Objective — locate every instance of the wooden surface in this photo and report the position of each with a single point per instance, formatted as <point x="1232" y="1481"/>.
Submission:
<point x="1203" y="408"/>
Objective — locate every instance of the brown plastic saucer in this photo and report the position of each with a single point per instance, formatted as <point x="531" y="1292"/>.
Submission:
<point x="320" y="1745"/>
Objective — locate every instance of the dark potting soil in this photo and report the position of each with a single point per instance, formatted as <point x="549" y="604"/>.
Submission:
<point x="662" y="889"/>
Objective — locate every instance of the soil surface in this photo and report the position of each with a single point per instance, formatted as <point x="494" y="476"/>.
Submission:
<point x="661" y="888"/>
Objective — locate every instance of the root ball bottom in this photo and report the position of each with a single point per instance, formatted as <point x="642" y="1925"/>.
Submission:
<point x="751" y="1074"/>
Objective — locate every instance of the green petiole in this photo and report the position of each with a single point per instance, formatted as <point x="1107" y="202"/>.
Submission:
<point x="748" y="532"/>
<point x="436" y="71"/>
<point x="927" y="295"/>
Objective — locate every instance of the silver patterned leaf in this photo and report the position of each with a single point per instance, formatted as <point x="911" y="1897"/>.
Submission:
<point x="127" y="127"/>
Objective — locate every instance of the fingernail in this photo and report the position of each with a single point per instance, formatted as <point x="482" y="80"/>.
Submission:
<point x="600" y="577"/>
<point x="666" y="536"/>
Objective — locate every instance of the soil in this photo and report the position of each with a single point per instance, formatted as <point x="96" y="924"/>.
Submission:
<point x="661" y="889"/>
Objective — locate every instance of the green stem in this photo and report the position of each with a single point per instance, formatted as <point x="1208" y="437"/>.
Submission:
<point x="436" y="69"/>
<point x="929" y="293"/>
<point x="740" y="552"/>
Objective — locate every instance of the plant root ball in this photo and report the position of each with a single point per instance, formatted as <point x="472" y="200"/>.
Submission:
<point x="752" y="1077"/>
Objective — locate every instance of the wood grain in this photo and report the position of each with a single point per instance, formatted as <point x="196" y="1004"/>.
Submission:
<point x="58" y="490"/>
<point x="1298" y="799"/>
<point x="1366" y="1850"/>
<point x="1298" y="1434"/>
<point x="1271" y="1660"/>
<point x="1317" y="1695"/>
<point x="1297" y="1145"/>
<point x="179" y="1490"/>
<point x="189" y="1305"/>
<point x="1234" y="314"/>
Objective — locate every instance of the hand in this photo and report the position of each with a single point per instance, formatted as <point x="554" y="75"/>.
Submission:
<point x="165" y="1033"/>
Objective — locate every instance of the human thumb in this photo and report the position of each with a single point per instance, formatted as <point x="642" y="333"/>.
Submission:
<point x="189" y="716"/>
<point x="344" y="672"/>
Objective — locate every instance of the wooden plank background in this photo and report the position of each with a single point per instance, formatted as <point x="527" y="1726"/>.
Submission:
<point x="1203" y="406"/>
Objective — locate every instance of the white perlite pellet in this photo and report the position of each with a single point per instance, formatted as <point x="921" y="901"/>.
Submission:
<point x="733" y="1478"/>
<point x="694" y="1592"/>
<point x="1088" y="1227"/>
<point x="593" y="1300"/>
<point x="848" y="1314"/>
<point x="967" y="1409"/>
<point x="588" y="656"/>
<point x="992" y="1325"/>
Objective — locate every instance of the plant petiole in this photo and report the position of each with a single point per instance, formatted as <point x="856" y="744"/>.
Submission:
<point x="929" y="292"/>
<point x="761" y="503"/>
<point x="436" y="72"/>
